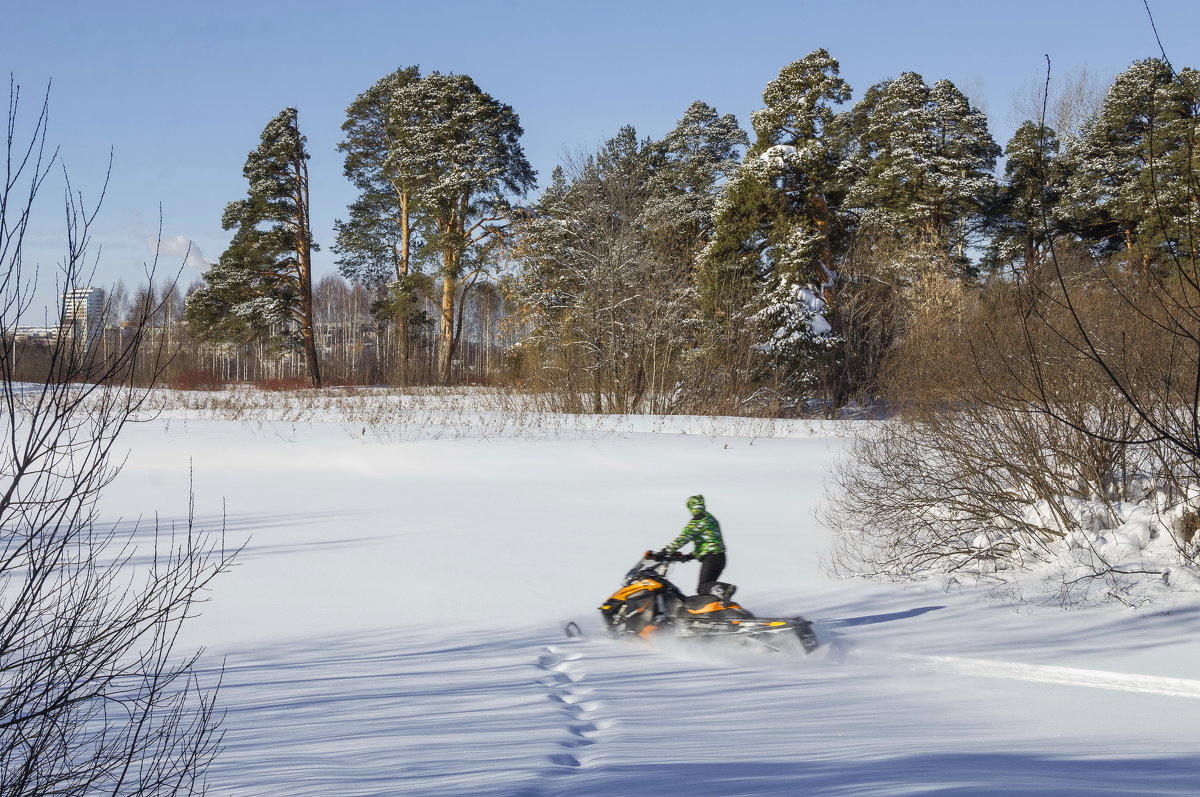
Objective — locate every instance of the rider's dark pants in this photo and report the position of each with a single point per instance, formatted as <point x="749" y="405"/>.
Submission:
<point x="710" y="571"/>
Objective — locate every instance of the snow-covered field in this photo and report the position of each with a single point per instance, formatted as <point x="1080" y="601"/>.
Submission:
<point x="394" y="627"/>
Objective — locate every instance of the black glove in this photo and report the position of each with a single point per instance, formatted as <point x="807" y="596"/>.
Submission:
<point x="657" y="556"/>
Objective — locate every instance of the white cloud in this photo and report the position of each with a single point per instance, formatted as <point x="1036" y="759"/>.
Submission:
<point x="170" y="251"/>
<point x="175" y="249"/>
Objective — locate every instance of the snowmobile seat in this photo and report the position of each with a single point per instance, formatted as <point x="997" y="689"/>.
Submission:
<point x="694" y="602"/>
<point x="707" y="606"/>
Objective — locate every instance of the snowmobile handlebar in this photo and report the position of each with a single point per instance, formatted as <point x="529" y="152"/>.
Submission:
<point x="663" y="556"/>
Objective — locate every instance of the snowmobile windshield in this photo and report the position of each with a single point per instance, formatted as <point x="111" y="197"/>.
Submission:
<point x="648" y="567"/>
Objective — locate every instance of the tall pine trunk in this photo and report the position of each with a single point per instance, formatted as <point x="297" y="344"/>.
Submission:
<point x="399" y="294"/>
<point x="304" y="267"/>
<point x="446" y="349"/>
<point x="307" y="332"/>
<point x="454" y="243"/>
<point x="402" y="270"/>
<point x="822" y="218"/>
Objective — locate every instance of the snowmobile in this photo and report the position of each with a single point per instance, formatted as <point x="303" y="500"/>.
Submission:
<point x="648" y="604"/>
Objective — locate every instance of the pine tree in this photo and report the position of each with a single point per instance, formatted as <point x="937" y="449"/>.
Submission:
<point x="799" y="137"/>
<point x="1130" y="188"/>
<point x="695" y="159"/>
<point x="778" y="228"/>
<point x="733" y="264"/>
<point x="458" y="151"/>
<point x="261" y="286"/>
<point x="377" y="243"/>
<point x="1034" y="182"/>
<point x="923" y="165"/>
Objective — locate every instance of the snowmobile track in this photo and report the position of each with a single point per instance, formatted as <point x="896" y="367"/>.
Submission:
<point x="1051" y="674"/>
<point x="563" y="676"/>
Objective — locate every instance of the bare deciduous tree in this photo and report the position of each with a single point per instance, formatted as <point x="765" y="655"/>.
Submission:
<point x="607" y="313"/>
<point x="93" y="697"/>
<point x="1064" y="105"/>
<point x="971" y="478"/>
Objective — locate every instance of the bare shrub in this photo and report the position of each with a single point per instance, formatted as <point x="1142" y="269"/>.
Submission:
<point x="971" y="478"/>
<point x="93" y="697"/>
<point x="279" y="384"/>
<point x="194" y="379"/>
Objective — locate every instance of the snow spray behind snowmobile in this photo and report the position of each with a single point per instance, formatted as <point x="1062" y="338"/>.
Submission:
<point x="648" y="604"/>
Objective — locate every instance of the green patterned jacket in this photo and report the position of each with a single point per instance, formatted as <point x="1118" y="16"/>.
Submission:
<point x="703" y="531"/>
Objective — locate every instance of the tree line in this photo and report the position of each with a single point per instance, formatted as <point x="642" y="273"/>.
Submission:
<point x="712" y="269"/>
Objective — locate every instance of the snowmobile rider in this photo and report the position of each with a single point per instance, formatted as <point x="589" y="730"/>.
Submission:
<point x="704" y="532"/>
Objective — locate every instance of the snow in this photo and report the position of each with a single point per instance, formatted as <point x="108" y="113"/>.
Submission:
<point x="795" y="312"/>
<point x="777" y="156"/>
<point x="394" y="625"/>
<point x="815" y="305"/>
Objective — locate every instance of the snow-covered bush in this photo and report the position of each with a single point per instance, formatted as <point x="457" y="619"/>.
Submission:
<point x="999" y="495"/>
<point x="976" y="481"/>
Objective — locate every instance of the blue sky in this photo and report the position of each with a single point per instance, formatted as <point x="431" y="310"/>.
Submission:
<point x="180" y="92"/>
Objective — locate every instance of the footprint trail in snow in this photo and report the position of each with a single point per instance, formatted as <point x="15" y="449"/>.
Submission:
<point x="563" y="679"/>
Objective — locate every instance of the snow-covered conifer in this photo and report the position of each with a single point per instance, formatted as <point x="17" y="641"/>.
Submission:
<point x="779" y="224"/>
<point x="457" y="151"/>
<point x="797" y="336"/>
<point x="261" y="286"/>
<point x="696" y="157"/>
<point x="1131" y="186"/>
<point x="1034" y="181"/>
<point x="923" y="165"/>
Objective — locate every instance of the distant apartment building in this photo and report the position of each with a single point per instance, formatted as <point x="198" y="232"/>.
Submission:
<point x="43" y="335"/>
<point x="83" y="313"/>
